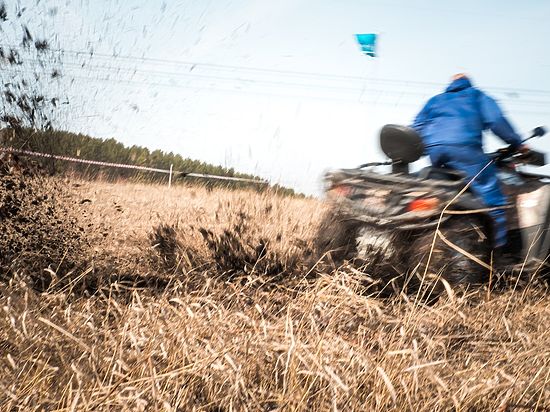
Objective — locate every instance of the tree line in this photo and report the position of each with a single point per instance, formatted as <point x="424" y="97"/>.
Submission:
<point x="64" y="143"/>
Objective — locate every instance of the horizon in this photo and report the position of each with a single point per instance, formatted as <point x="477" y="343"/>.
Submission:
<point x="281" y="91"/>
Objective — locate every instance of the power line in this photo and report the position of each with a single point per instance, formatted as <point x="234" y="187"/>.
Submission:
<point x="293" y="73"/>
<point x="271" y="83"/>
<point x="359" y="100"/>
<point x="380" y="93"/>
<point x="275" y="83"/>
<point x="193" y="65"/>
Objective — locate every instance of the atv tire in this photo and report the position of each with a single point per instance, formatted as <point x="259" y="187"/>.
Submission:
<point x="336" y="237"/>
<point x="375" y="252"/>
<point x="466" y="232"/>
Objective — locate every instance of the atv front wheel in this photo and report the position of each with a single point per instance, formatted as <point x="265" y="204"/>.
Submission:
<point x="460" y="255"/>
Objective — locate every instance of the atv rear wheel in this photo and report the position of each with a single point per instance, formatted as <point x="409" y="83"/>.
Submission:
<point x="377" y="252"/>
<point x="336" y="237"/>
<point x="468" y="233"/>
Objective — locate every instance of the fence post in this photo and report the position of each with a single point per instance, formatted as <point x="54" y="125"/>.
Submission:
<point x="170" y="176"/>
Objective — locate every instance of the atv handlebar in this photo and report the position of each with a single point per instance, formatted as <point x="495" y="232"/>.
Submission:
<point x="498" y="157"/>
<point x="537" y="132"/>
<point x="509" y="151"/>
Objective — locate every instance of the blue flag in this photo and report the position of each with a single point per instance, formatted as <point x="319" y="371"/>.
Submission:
<point x="367" y="42"/>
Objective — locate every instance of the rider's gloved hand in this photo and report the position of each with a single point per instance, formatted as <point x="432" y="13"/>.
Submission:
<point x="524" y="151"/>
<point x="506" y="151"/>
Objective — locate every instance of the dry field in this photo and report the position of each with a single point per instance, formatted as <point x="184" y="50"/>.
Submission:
<point x="196" y="300"/>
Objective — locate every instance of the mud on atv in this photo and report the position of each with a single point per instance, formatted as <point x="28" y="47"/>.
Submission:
<point x="417" y="227"/>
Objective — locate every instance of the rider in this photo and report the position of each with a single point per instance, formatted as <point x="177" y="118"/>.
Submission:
<point x="451" y="126"/>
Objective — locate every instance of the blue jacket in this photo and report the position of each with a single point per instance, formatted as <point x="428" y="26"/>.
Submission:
<point x="459" y="116"/>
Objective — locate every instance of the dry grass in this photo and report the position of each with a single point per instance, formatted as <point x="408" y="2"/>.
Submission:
<point x="241" y="321"/>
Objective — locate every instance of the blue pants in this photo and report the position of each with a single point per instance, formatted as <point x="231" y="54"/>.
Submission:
<point x="471" y="160"/>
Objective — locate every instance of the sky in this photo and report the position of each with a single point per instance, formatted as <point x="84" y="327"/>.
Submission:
<point x="280" y="89"/>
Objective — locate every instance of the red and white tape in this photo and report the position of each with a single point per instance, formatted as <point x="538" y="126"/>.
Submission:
<point x="78" y="160"/>
<point x="126" y="166"/>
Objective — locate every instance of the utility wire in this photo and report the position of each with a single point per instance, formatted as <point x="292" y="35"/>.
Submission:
<point x="381" y="94"/>
<point x="193" y="65"/>
<point x="254" y="82"/>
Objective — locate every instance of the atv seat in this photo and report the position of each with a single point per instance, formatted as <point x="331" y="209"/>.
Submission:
<point x="439" y="173"/>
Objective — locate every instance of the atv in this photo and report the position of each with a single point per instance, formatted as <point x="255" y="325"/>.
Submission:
<point x="429" y="223"/>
